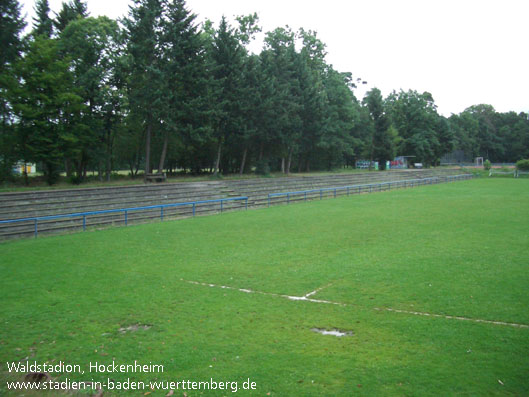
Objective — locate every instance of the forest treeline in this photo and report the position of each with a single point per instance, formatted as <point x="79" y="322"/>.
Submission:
<point x="156" y="91"/>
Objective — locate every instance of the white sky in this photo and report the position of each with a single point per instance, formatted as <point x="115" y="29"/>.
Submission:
<point x="464" y="52"/>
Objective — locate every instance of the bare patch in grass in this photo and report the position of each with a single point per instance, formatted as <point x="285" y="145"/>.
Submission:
<point x="334" y="332"/>
<point x="134" y="328"/>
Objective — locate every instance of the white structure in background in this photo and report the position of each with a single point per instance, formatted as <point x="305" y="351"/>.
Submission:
<point x="479" y="161"/>
<point x="19" y="168"/>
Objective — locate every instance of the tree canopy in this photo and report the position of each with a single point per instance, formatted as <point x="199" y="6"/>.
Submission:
<point x="158" y="91"/>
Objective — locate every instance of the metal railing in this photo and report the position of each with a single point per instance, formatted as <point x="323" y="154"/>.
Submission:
<point x="125" y="211"/>
<point x="379" y="186"/>
<point x="516" y="173"/>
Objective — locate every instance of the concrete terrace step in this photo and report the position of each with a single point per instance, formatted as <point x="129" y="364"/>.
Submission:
<point x="62" y="225"/>
<point x="55" y="202"/>
<point x="96" y="201"/>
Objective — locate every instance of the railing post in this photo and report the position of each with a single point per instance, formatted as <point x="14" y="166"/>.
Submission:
<point x="348" y="190"/>
<point x="194" y="209"/>
<point x="36" y="228"/>
<point x="161" y="213"/>
<point x="321" y="194"/>
<point x="334" y="193"/>
<point x="221" y="202"/>
<point x="246" y="204"/>
<point x="126" y="213"/>
<point x="84" y="223"/>
<point x="305" y="196"/>
<point x="268" y="200"/>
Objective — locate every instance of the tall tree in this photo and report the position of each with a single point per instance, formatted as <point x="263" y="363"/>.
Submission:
<point x="311" y="72"/>
<point x="414" y="115"/>
<point x="147" y="85"/>
<point x="69" y="12"/>
<point x="228" y="57"/>
<point x="94" y="47"/>
<point x="46" y="100"/>
<point x="381" y="145"/>
<point x="490" y="145"/>
<point x="184" y="70"/>
<point x="341" y="112"/>
<point x="281" y="66"/>
<point x="11" y="45"/>
<point x="42" y="22"/>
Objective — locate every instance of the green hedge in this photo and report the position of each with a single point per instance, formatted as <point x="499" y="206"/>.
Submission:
<point x="523" y="165"/>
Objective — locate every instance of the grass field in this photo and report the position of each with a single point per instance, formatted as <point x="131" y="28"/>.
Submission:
<point x="459" y="249"/>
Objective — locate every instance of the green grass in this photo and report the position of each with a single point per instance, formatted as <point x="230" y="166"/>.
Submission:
<point x="456" y="249"/>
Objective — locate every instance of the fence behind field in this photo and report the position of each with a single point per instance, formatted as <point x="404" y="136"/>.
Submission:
<point x="364" y="188"/>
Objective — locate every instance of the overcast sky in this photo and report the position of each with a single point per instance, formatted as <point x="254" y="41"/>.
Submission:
<point x="464" y="52"/>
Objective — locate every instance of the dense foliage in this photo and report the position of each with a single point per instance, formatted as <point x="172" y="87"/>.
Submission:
<point x="158" y="91"/>
<point x="523" y="165"/>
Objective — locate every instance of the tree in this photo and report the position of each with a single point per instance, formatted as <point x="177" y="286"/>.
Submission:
<point x="490" y="144"/>
<point x="42" y="23"/>
<point x="310" y="73"/>
<point x="251" y="101"/>
<point x="414" y="116"/>
<point x="94" y="46"/>
<point x="11" y="46"/>
<point x="46" y="100"/>
<point x="281" y="67"/>
<point x="381" y="146"/>
<point x="465" y="128"/>
<point x="228" y="57"/>
<point x="340" y="115"/>
<point x="70" y="12"/>
<point x="184" y="70"/>
<point x="147" y="86"/>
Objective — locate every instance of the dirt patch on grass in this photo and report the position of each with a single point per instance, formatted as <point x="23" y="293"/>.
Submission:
<point x="334" y="332"/>
<point x="134" y="328"/>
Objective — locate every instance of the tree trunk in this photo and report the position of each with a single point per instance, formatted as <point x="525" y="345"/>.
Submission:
<point x="289" y="162"/>
<point x="282" y="165"/>
<point x="371" y="154"/>
<point x="67" y="168"/>
<point x="164" y="152"/>
<point x="261" y="152"/>
<point x="148" y="149"/>
<point x="100" y="171"/>
<point x="243" y="162"/>
<point x="108" y="165"/>
<point x="217" y="163"/>
<point x="26" y="180"/>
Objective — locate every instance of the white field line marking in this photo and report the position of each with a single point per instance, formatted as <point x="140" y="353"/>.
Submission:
<point x="305" y="298"/>
<point x="317" y="290"/>
<point x="476" y="320"/>
<point x="249" y="291"/>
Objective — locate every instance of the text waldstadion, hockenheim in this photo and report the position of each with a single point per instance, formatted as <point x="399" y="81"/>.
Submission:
<point x="61" y="367"/>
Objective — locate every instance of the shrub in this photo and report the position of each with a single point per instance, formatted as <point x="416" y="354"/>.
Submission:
<point x="262" y="168"/>
<point x="76" y="179"/>
<point x="487" y="165"/>
<point x="522" y="165"/>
